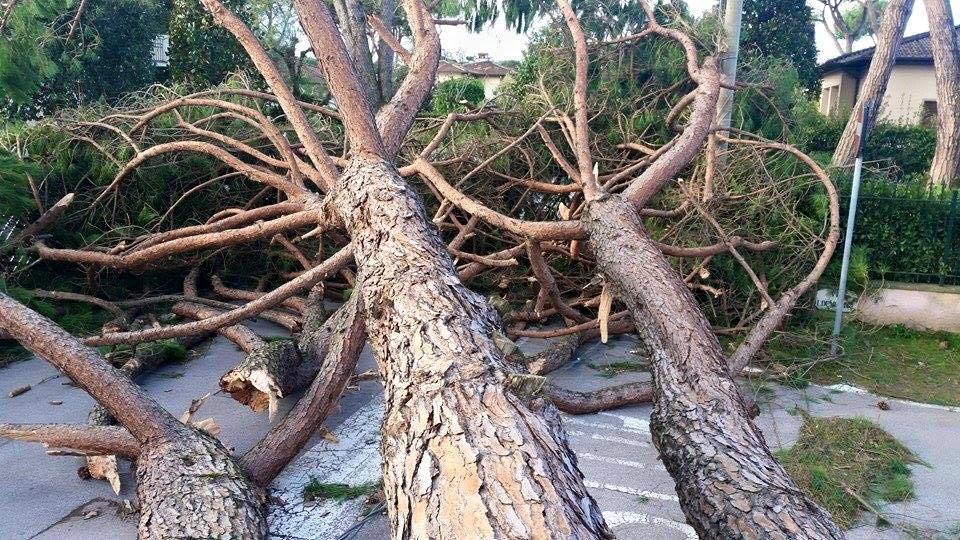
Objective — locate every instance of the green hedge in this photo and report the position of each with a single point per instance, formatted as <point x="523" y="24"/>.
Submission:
<point x="903" y="231"/>
<point x="907" y="149"/>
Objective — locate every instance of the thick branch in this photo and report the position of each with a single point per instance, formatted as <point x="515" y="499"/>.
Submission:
<point x="124" y="399"/>
<point x="93" y="440"/>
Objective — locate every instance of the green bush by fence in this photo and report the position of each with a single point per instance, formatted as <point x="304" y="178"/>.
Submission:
<point x="907" y="232"/>
<point x="908" y="149"/>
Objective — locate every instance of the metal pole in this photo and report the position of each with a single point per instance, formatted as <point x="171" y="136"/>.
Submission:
<point x="848" y="236"/>
<point x="732" y="16"/>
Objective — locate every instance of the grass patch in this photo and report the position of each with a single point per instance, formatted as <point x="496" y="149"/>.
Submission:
<point x="11" y="351"/>
<point x="835" y="458"/>
<point x="616" y="368"/>
<point x="892" y="361"/>
<point x="316" y="490"/>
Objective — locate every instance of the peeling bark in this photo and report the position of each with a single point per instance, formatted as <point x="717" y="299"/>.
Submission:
<point x="463" y="455"/>
<point x="266" y="375"/>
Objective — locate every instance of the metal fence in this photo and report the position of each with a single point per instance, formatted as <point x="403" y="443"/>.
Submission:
<point x="908" y="233"/>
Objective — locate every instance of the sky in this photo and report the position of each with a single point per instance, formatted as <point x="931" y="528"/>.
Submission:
<point x="503" y="44"/>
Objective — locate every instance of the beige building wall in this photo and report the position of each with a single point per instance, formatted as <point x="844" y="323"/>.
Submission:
<point x="838" y="92"/>
<point x="907" y="90"/>
<point x="909" y="87"/>
<point x="490" y="86"/>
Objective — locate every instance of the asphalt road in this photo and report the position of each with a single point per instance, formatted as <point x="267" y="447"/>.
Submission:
<point x="42" y="497"/>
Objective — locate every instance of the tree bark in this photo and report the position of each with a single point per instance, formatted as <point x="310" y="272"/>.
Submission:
<point x="335" y="345"/>
<point x="727" y="480"/>
<point x="875" y="83"/>
<point x="188" y="485"/>
<point x="464" y="456"/>
<point x="385" y="54"/>
<point x="946" y="65"/>
<point x="353" y="26"/>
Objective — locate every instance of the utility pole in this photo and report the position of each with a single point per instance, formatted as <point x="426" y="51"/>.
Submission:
<point x="733" y="12"/>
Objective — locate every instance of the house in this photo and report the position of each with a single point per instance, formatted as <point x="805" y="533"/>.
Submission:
<point x="490" y="73"/>
<point x="911" y="95"/>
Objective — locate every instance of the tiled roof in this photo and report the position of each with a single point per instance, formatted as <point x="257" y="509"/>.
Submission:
<point x="483" y="68"/>
<point x="913" y="49"/>
<point x="486" y="68"/>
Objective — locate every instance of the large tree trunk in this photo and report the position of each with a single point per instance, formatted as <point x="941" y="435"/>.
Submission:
<point x="466" y="454"/>
<point x="727" y="480"/>
<point x="946" y="64"/>
<point x="188" y="484"/>
<point x="875" y="83"/>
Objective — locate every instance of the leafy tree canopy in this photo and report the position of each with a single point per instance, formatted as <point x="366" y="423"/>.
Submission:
<point x="782" y="29"/>
<point x="50" y="57"/>
<point x="202" y="53"/>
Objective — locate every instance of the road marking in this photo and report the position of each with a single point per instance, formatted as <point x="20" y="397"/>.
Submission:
<point x="846" y="388"/>
<point x="631" y="491"/>
<point x="578" y="422"/>
<point x="630" y="422"/>
<point x="352" y="460"/>
<point x="616" y="519"/>
<point x="610" y="460"/>
<point x="607" y="438"/>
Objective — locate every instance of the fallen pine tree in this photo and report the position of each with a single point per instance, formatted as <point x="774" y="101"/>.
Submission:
<point x="463" y="437"/>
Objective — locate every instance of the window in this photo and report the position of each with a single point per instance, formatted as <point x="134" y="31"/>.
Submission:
<point x="161" y="48"/>
<point x="829" y="99"/>
<point x="928" y="113"/>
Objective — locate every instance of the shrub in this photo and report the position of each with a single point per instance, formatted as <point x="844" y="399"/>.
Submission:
<point x="456" y="94"/>
<point x="907" y="149"/>
<point x="902" y="230"/>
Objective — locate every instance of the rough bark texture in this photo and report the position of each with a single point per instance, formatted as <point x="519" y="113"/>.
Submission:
<point x="946" y="64"/>
<point x="464" y="457"/>
<point x="335" y="345"/>
<point x="728" y="482"/>
<point x="190" y="487"/>
<point x="188" y="484"/>
<point x="385" y="54"/>
<point x="875" y="83"/>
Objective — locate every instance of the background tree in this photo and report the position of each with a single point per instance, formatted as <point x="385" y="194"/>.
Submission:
<point x="54" y="56"/>
<point x="875" y="81"/>
<point x="202" y="53"/>
<point x="782" y="29"/>
<point x="946" y="63"/>
<point x="850" y="20"/>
